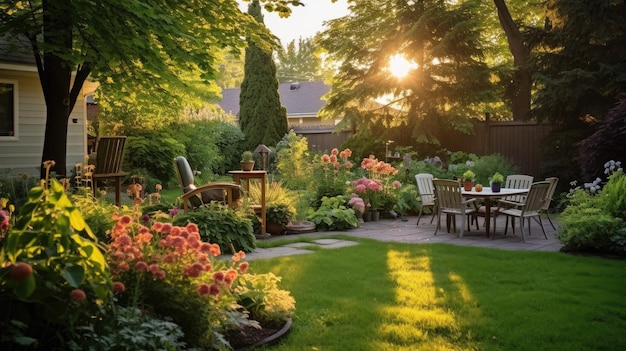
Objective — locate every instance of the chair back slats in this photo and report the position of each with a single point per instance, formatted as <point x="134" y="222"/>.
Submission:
<point x="426" y="188"/>
<point x="518" y="181"/>
<point x="553" y="183"/>
<point x="536" y="197"/>
<point x="449" y="195"/>
<point x="109" y="154"/>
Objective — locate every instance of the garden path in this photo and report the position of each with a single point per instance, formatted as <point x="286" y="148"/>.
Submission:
<point x="405" y="231"/>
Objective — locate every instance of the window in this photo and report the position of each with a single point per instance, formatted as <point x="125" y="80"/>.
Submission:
<point x="8" y="109"/>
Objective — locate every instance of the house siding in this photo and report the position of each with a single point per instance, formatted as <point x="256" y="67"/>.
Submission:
<point x="23" y="155"/>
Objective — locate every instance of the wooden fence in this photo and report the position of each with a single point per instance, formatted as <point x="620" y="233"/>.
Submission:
<point x="520" y="142"/>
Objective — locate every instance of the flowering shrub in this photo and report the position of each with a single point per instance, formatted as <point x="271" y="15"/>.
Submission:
<point x="595" y="218"/>
<point x="379" y="190"/>
<point x="170" y="271"/>
<point x="332" y="174"/>
<point x="357" y="204"/>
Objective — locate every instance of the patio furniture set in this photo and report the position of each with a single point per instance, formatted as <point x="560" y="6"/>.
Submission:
<point x="520" y="198"/>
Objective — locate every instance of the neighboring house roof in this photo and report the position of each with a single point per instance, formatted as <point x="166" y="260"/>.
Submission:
<point x="300" y="99"/>
<point x="16" y="50"/>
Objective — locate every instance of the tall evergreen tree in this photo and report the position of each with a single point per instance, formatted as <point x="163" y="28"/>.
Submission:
<point x="262" y="118"/>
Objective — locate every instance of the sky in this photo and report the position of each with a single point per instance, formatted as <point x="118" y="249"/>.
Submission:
<point x="304" y="21"/>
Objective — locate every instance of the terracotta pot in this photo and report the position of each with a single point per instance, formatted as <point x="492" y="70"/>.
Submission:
<point x="275" y="228"/>
<point x="247" y="166"/>
<point x="468" y="185"/>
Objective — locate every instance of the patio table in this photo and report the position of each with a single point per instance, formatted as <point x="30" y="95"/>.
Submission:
<point x="487" y="195"/>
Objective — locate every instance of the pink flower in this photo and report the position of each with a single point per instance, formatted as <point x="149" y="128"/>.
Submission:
<point x="141" y="266"/>
<point x="396" y="184"/>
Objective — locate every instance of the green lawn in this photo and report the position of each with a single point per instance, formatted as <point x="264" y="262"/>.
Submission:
<point x="389" y="296"/>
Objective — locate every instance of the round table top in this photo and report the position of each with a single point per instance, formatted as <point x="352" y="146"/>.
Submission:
<point x="486" y="192"/>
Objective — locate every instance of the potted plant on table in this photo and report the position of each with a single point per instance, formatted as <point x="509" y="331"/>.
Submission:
<point x="247" y="161"/>
<point x="468" y="180"/>
<point x="496" y="182"/>
<point x="278" y="216"/>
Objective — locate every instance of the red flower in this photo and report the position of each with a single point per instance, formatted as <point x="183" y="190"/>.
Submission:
<point x="20" y="271"/>
<point x="192" y="228"/>
<point x="125" y="220"/>
<point x="243" y="267"/>
<point x="204" y="289"/>
<point x="119" y="287"/>
<point x="77" y="295"/>
<point x="219" y="276"/>
<point x="214" y="289"/>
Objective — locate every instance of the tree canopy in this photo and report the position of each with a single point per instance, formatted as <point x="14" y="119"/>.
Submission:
<point x="443" y="41"/>
<point x="149" y="45"/>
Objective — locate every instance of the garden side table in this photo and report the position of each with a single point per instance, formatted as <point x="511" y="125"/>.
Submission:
<point x="247" y="176"/>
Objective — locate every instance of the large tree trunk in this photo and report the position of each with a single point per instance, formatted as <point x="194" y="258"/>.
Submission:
<point x="55" y="76"/>
<point x="522" y="83"/>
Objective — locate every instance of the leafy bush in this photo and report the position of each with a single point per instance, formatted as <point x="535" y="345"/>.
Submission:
<point x="596" y="220"/>
<point x="53" y="276"/>
<point x="279" y="213"/>
<point x="292" y="161"/>
<point x="15" y="187"/>
<point x="587" y="226"/>
<point x="408" y="200"/>
<point x="260" y="295"/>
<point x="154" y="153"/>
<point x="130" y="329"/>
<point x="230" y="229"/>
<point x="486" y="166"/>
<point x="333" y="215"/>
<point x="98" y="214"/>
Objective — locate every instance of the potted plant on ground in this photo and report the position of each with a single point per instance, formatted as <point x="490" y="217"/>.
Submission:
<point x="468" y="180"/>
<point x="496" y="182"/>
<point x="278" y="216"/>
<point x="247" y="161"/>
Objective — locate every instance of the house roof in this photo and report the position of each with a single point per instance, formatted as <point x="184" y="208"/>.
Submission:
<point x="300" y="99"/>
<point x="16" y="50"/>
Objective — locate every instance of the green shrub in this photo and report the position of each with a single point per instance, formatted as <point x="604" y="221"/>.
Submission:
<point x="98" y="214"/>
<point x="63" y="280"/>
<point x="587" y="225"/>
<point x="260" y="295"/>
<point x="130" y="329"/>
<point x="486" y="166"/>
<point x="333" y="214"/>
<point x="292" y="161"/>
<point x="408" y="200"/>
<point x="154" y="153"/>
<point x="218" y="224"/>
<point x="614" y="195"/>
